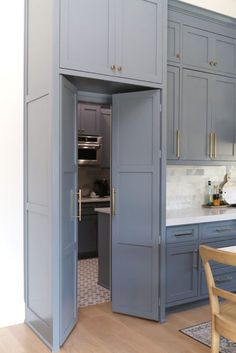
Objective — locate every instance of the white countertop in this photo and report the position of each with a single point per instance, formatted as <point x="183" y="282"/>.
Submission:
<point x="96" y="199"/>
<point x="199" y="215"/>
<point x="106" y="210"/>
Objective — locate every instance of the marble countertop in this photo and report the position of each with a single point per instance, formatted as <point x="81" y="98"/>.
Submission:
<point x="199" y="215"/>
<point x="105" y="210"/>
<point x="96" y="199"/>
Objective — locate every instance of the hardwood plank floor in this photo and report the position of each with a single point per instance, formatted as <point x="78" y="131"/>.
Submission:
<point x="101" y="331"/>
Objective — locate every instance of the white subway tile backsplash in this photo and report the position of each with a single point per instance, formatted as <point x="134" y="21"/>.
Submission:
<point x="187" y="185"/>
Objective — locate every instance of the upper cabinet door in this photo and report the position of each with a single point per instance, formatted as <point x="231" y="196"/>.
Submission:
<point x="139" y="40"/>
<point x="225" y="54"/>
<point x="196" y="115"/>
<point x="87" y="35"/>
<point x="173" y="128"/>
<point x="223" y="118"/>
<point x="173" y="42"/>
<point x="197" y="47"/>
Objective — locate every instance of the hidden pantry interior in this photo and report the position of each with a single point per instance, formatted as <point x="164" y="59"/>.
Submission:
<point x="134" y="168"/>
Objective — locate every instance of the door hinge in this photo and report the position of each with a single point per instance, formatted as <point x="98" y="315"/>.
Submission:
<point x="160" y="154"/>
<point x="160" y="108"/>
<point x="159" y="240"/>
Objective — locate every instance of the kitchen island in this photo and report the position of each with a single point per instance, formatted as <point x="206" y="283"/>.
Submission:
<point x="104" y="258"/>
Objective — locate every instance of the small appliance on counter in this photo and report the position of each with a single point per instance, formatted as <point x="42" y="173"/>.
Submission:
<point x="101" y="187"/>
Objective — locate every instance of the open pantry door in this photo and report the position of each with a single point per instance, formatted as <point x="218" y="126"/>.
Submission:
<point x="136" y="203"/>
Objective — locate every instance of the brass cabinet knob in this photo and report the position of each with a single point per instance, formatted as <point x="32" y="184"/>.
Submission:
<point x="211" y="62"/>
<point x="178" y="55"/>
<point x="113" y="67"/>
<point x="119" y="68"/>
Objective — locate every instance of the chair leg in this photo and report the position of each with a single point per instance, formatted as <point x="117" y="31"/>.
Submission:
<point x="215" y="339"/>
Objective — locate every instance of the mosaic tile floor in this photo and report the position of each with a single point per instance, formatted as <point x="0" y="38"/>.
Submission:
<point x="89" y="292"/>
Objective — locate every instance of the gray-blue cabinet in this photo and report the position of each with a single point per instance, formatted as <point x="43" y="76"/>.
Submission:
<point x="173" y="113"/>
<point x="89" y="119"/>
<point x="116" y="38"/>
<point x="207" y="50"/>
<point x="183" y="261"/>
<point x="181" y="273"/>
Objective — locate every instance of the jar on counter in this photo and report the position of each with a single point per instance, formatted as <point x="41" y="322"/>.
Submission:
<point x="216" y="200"/>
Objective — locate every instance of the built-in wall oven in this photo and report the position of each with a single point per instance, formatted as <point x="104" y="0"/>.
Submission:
<point x="89" y="150"/>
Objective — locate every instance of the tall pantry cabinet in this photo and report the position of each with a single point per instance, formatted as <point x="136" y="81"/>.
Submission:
<point x="112" y="45"/>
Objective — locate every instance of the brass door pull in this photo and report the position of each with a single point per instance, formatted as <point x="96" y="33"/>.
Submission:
<point x="72" y="193"/>
<point x="178" y="143"/>
<point x="215" y="142"/>
<point x="113" y="67"/>
<point x="210" y="138"/>
<point x="113" y="201"/>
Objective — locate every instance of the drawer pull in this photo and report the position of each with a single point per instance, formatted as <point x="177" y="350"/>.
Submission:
<point x="223" y="279"/>
<point x="219" y="230"/>
<point x="183" y="234"/>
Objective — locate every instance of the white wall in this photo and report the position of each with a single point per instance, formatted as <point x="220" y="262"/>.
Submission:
<point x="11" y="136"/>
<point x="227" y="7"/>
<point x="11" y="121"/>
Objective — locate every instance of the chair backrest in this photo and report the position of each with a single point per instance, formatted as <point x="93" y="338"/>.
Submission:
<point x="224" y="257"/>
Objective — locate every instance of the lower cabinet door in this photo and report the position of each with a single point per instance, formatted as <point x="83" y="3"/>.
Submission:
<point x="87" y="237"/>
<point x="182" y="273"/>
<point x="224" y="277"/>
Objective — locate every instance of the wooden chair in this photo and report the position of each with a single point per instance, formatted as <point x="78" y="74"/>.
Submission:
<point x="223" y="314"/>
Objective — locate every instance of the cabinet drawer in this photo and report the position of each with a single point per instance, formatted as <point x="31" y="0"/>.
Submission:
<point x="217" y="230"/>
<point x="182" y="234"/>
<point x="224" y="278"/>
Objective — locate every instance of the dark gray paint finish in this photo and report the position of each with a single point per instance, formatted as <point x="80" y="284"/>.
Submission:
<point x="135" y="226"/>
<point x="68" y="243"/>
<point x="104" y="250"/>
<point x="89" y="119"/>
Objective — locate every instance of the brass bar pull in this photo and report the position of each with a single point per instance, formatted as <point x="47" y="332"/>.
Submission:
<point x="113" y="201"/>
<point x="177" y="143"/>
<point x="80" y="205"/>
<point x="215" y="145"/>
<point x="210" y="138"/>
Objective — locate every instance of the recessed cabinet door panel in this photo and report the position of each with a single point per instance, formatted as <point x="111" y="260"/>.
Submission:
<point x="135" y="220"/>
<point x="173" y="88"/>
<point x="224" y="118"/>
<point x="173" y="44"/>
<point x="89" y="119"/>
<point x="225" y="54"/>
<point x="197" y="47"/>
<point x="182" y="273"/>
<point x="139" y="44"/>
<point x="87" y="35"/>
<point x="196" y="115"/>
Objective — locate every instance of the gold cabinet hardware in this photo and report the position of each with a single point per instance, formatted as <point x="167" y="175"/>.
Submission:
<point x="113" y="67"/>
<point x="119" y="68"/>
<point x="72" y="193"/>
<point x="210" y="140"/>
<point x="178" y="55"/>
<point x="80" y="205"/>
<point x="113" y="201"/>
<point x="211" y="62"/>
<point x="178" y="143"/>
<point x="215" y="142"/>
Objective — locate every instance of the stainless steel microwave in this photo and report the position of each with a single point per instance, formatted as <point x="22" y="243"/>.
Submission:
<point x="89" y="149"/>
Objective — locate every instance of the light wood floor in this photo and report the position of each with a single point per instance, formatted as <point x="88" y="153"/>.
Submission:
<point x="101" y="331"/>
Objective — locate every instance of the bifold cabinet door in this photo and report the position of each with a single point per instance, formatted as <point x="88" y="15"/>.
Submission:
<point x="68" y="221"/>
<point x="136" y="189"/>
